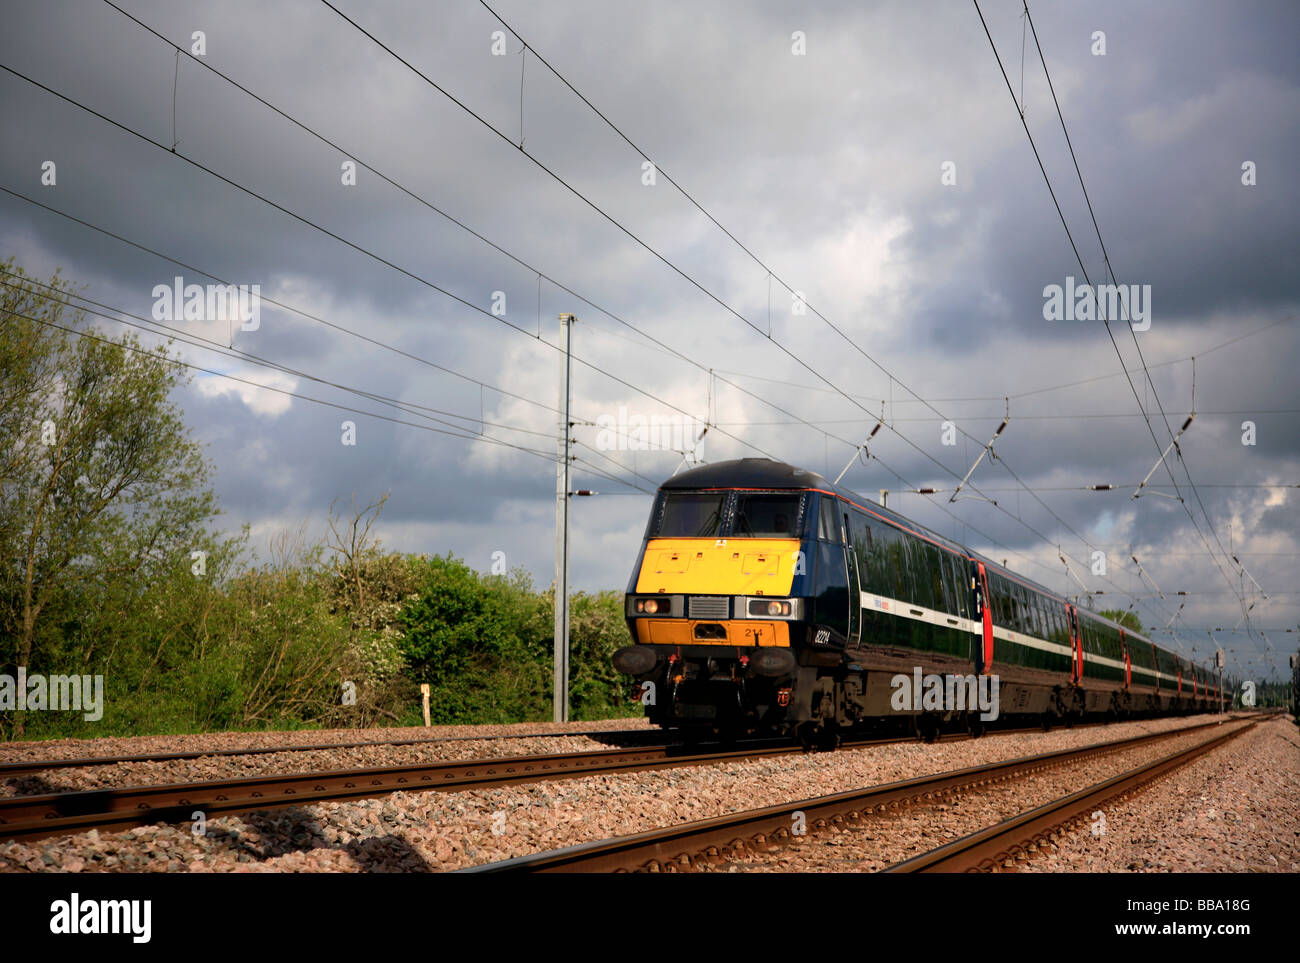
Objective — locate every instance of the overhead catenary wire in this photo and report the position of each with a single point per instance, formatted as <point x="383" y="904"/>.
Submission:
<point x="545" y="455"/>
<point x="767" y="268"/>
<point x="560" y="180"/>
<point x="1155" y="394"/>
<point x="460" y="104"/>
<point x="300" y="217"/>
<point x="1083" y="269"/>
<point x="309" y="316"/>
<point x="203" y="62"/>
<point x="770" y="273"/>
<point x="841" y="439"/>
<point x="410" y="274"/>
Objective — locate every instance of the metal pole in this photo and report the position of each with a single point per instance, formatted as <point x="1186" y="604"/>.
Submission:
<point x="560" y="682"/>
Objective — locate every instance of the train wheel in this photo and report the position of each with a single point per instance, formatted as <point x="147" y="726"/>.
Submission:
<point x="807" y="735"/>
<point x="727" y="736"/>
<point x="928" y="727"/>
<point x="828" y="740"/>
<point x="693" y="737"/>
<point x="976" y="727"/>
<point x="1047" y="722"/>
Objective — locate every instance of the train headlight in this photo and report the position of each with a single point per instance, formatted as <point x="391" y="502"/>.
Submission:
<point x="771" y="608"/>
<point x="662" y="605"/>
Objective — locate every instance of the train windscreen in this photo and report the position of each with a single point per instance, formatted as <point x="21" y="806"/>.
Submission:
<point x="691" y="515"/>
<point x="766" y="516"/>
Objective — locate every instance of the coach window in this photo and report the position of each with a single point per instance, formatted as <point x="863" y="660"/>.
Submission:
<point x="876" y="565"/>
<point x="1022" y="610"/>
<point x="1040" y="616"/>
<point x="994" y="601"/>
<point x="1058" y="622"/>
<point x="1008" y="603"/>
<point x="1014" y="607"/>
<point x="1114" y="648"/>
<point x="952" y="593"/>
<point x="934" y="560"/>
<point x="896" y="559"/>
<point x="918" y="582"/>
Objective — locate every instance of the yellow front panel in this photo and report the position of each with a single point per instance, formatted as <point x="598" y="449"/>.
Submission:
<point x="718" y="566"/>
<point x="744" y="632"/>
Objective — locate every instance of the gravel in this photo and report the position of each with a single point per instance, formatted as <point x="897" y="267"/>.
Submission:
<point x="90" y="748"/>
<point x="1229" y="812"/>
<point x="893" y="837"/>
<point x="435" y="831"/>
<point x="478" y="744"/>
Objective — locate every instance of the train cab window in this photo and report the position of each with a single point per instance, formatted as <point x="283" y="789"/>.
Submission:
<point x="829" y="529"/>
<point x="691" y="515"/>
<point x="766" y="515"/>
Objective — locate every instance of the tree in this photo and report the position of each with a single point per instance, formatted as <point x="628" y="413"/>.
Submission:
<point x="478" y="641"/>
<point x="99" y="481"/>
<point x="369" y="587"/>
<point x="597" y="628"/>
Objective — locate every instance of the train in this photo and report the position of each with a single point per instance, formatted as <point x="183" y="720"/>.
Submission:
<point x="765" y="599"/>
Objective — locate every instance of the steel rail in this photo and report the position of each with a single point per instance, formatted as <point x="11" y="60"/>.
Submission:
<point x="49" y="814"/>
<point x="644" y="737"/>
<point x="26" y="766"/>
<point x="1022" y="836"/>
<point x="679" y="847"/>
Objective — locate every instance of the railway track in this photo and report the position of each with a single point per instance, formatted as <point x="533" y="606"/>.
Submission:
<point x="1022" y="836"/>
<point x="38" y="816"/>
<point x="678" y="848"/>
<point x="621" y="737"/>
<point x="51" y="814"/>
<point x="29" y="766"/>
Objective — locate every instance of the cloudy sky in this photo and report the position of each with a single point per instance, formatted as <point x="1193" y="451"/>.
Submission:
<point x="869" y="155"/>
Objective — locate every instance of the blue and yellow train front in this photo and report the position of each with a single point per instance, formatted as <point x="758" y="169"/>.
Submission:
<point x="717" y="607"/>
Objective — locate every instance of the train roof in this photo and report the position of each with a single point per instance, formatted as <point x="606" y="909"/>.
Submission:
<point x="766" y="473"/>
<point x="747" y="473"/>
